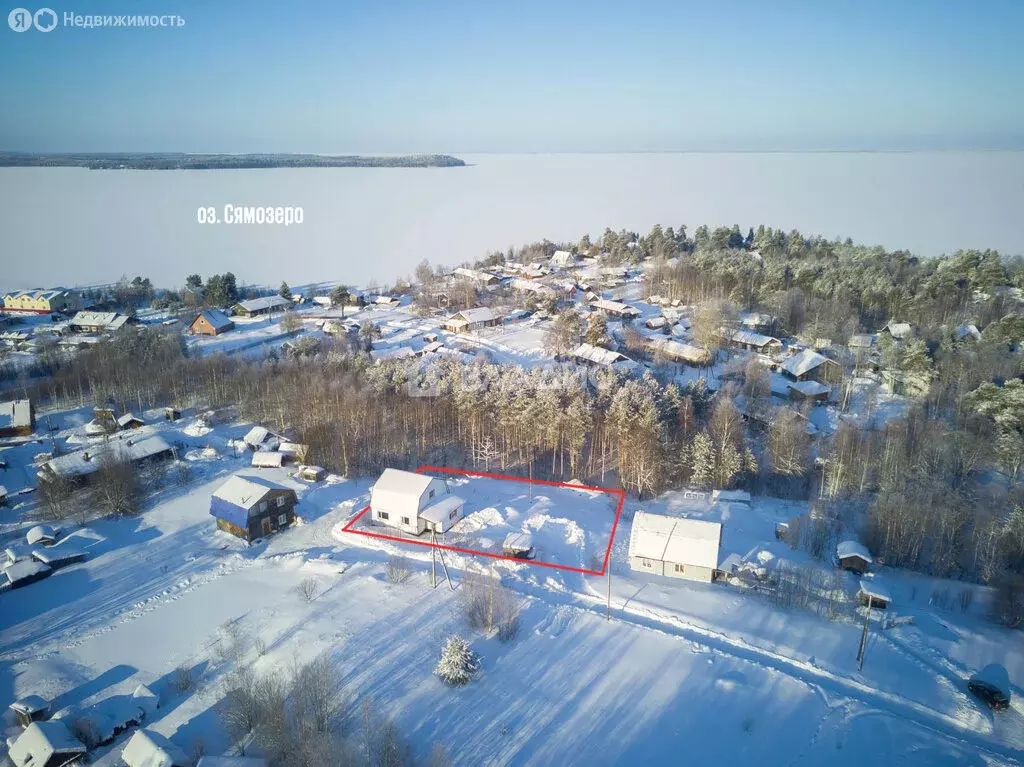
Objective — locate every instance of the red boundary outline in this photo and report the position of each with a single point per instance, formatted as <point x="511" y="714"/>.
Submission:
<point x="607" y="554"/>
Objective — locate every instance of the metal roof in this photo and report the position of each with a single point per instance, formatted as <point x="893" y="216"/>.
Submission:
<point x="804" y="362"/>
<point x="675" y="539"/>
<point x="16" y="414"/>
<point x="267" y="302"/>
<point x="245" y="492"/>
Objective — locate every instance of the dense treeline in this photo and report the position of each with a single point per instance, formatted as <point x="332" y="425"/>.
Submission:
<point x="181" y="161"/>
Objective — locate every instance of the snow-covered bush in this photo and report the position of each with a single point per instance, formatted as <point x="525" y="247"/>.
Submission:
<point x="397" y="569"/>
<point x="458" y="664"/>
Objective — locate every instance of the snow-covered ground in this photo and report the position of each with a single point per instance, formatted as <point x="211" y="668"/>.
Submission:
<point x="705" y="672"/>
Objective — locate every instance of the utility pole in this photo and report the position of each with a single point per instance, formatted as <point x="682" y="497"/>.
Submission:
<point x="862" y="650"/>
<point x="608" y="613"/>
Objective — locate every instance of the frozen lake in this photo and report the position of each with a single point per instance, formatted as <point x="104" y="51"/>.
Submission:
<point x="70" y="226"/>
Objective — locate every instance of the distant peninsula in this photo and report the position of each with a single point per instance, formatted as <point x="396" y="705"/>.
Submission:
<point x="184" y="161"/>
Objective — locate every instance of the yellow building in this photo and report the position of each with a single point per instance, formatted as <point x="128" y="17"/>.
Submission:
<point x="43" y="301"/>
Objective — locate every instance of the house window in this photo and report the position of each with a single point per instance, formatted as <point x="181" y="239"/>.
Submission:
<point x="453" y="515"/>
<point x="646" y="563"/>
<point x="431" y="495"/>
<point x="263" y="506"/>
<point x="405" y="520"/>
<point x="280" y="501"/>
<point x="282" y="519"/>
<point x="382" y="515"/>
<point x="678" y="568"/>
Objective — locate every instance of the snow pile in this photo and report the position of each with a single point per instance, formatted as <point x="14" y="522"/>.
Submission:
<point x="197" y="428"/>
<point x="478" y="520"/>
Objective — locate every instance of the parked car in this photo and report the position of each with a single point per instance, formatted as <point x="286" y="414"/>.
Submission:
<point x="993" y="694"/>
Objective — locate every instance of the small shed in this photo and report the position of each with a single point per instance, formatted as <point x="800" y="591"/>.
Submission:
<point x="150" y="749"/>
<point x="22" y="573"/>
<point x="731" y="496"/>
<point x="871" y="593"/>
<point x="312" y="473"/>
<point x="265" y="459"/>
<point x="31" y="708"/>
<point x="41" y="535"/>
<point x="251" y="508"/>
<point x="518" y="545"/>
<point x="853" y="556"/>
<point x="172" y="413"/>
<point x="46" y="744"/>
<point x="261" y="438"/>
<point x="129" y="421"/>
<point x="812" y="391"/>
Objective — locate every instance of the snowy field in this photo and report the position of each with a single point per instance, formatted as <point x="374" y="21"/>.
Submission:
<point x="711" y="671"/>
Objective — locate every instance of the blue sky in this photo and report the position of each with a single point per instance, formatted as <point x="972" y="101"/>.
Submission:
<point x="520" y="77"/>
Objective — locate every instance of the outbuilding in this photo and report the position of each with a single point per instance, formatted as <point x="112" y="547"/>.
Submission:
<point x="129" y="421"/>
<point x="22" y="572"/>
<point x="518" y="545"/>
<point x="252" y="508"/>
<point x="808" y="391"/>
<point x="674" y="546"/>
<point x="261" y="438"/>
<point x="257" y="306"/>
<point x="150" y="749"/>
<point x="266" y="459"/>
<point x="853" y="556"/>
<point x="46" y="744"/>
<point x="871" y="593"/>
<point x="414" y="503"/>
<point x="472" y="319"/>
<point x="31" y="708"/>
<point x="17" y="418"/>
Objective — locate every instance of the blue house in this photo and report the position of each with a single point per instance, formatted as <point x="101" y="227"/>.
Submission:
<point x="251" y="508"/>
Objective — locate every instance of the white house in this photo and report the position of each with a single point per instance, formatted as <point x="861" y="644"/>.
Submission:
<point x="414" y="503"/>
<point x="674" y="546"/>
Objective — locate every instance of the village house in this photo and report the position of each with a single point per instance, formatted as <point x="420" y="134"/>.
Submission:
<point x="469" y="320"/>
<point x="256" y="307"/>
<point x="17" y="418"/>
<point x="475" y="275"/>
<point x="861" y="342"/>
<point x="871" y="593"/>
<point x="81" y="465"/>
<point x="853" y="556"/>
<point x="754" y="341"/>
<point x="808" y="365"/>
<point x="598" y="356"/>
<point x="677" y="351"/>
<point x="674" y="546"/>
<point x="261" y="438"/>
<point x="211" y="322"/>
<point x="562" y="259"/>
<point x="99" y="322"/>
<point x="129" y="421"/>
<point x="898" y="331"/>
<point x="251" y="508"/>
<point x="808" y="391"/>
<point x="414" y="503"/>
<point x="46" y="744"/>
<point x="615" y="309"/>
<point x="43" y="301"/>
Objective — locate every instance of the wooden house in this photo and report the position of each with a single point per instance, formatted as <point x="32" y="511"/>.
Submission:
<point x="853" y="556"/>
<point x="615" y="309"/>
<point x="808" y="365"/>
<point x="754" y="341"/>
<point x="871" y="593"/>
<point x="252" y="508"/>
<point x="212" y="322"/>
<point x="469" y="320"/>
<point x="31" y="708"/>
<point x="129" y="421"/>
<point x="808" y="391"/>
<point x="256" y="307"/>
<point x="414" y="503"/>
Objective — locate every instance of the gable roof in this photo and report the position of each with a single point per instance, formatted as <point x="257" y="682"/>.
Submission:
<point x="616" y="307"/>
<point x="406" y="484"/>
<point x="261" y="304"/>
<point x="84" y="462"/>
<point x="16" y="414"/>
<point x="898" y="329"/>
<point x="853" y="549"/>
<point x="41" y="740"/>
<point x="216" y="318"/>
<point x="245" y="492"/>
<point x="752" y="338"/>
<point x="808" y="388"/>
<point x="804" y="362"/>
<point x="675" y="539"/>
<point x="601" y="356"/>
<point x="478" y="314"/>
<point x="150" y="749"/>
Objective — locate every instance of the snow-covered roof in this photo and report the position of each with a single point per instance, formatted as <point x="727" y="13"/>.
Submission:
<point x="853" y="549"/>
<point x="30" y="704"/>
<point x="231" y="761"/>
<point x="126" y="449"/>
<point x="42" y="740"/>
<point x="398" y="485"/>
<point x="16" y="414"/>
<point x="266" y="459"/>
<point x="265" y="303"/>
<point x="244" y="492"/>
<point x="259" y="436"/>
<point x="615" y="307"/>
<point x="678" y="350"/>
<point x="872" y="588"/>
<point x="393" y="353"/>
<point x="150" y="749"/>
<point x="862" y="341"/>
<point x="518" y="542"/>
<point x="809" y="388"/>
<point x="730" y="496"/>
<point x="563" y="258"/>
<point x="127" y="418"/>
<point x="804" y="362"/>
<point x="675" y="539"/>
<point x="601" y="356"/>
<point x="752" y="338"/>
<point x="216" y="318"/>
<point x="62" y="553"/>
<point x="106" y="320"/>
<point x="23" y="569"/>
<point x="473" y="316"/>
<point x="438" y="512"/>
<point x="40" y="533"/>
<point x="898" y="329"/>
<point x="968" y="330"/>
<point x="533" y="287"/>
